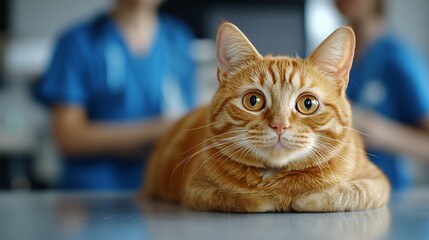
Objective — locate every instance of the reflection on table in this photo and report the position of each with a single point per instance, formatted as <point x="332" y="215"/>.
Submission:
<point x="118" y="216"/>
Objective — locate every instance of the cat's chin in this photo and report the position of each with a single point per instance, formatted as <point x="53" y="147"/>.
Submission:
<point x="279" y="155"/>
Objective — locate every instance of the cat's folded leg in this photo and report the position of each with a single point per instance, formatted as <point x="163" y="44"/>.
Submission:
<point x="214" y="199"/>
<point x="348" y="196"/>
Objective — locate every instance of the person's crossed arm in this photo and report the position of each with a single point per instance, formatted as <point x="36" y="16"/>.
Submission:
<point x="76" y="135"/>
<point x="389" y="135"/>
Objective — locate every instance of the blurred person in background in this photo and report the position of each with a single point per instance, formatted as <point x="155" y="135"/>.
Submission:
<point x="389" y="89"/>
<point x="109" y="84"/>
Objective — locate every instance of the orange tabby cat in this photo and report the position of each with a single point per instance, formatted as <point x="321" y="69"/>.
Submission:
<point x="276" y="137"/>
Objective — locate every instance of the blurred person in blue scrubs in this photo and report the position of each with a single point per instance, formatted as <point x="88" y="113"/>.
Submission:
<point x="389" y="89"/>
<point x="110" y="84"/>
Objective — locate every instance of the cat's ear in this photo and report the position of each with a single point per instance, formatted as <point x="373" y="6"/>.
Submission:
<point x="334" y="56"/>
<point x="232" y="49"/>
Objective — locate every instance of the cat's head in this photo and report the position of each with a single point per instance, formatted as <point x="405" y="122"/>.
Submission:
<point x="277" y="111"/>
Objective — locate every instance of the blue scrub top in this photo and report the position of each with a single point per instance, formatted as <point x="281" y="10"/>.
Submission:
<point x="392" y="80"/>
<point x="92" y="67"/>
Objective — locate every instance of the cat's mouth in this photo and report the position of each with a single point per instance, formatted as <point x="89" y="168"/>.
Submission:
<point x="278" y="146"/>
<point x="275" y="143"/>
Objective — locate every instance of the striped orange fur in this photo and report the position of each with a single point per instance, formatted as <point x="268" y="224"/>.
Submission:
<point x="277" y="137"/>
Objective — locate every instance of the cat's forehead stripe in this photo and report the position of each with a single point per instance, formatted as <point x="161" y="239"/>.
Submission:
<point x="256" y="80"/>
<point x="268" y="76"/>
<point x="296" y="79"/>
<point x="281" y="71"/>
<point x="274" y="71"/>
<point x="262" y="79"/>
<point x="287" y="72"/>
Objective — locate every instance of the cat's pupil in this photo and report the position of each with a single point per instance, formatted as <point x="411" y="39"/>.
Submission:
<point x="253" y="100"/>
<point x="307" y="103"/>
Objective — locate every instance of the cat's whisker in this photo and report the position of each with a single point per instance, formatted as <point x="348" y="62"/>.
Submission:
<point x="221" y="142"/>
<point x="197" y="128"/>
<point x="213" y="145"/>
<point x="225" y="159"/>
<point x="351" y="146"/>
<point x="217" y="136"/>
<point x="215" y="154"/>
<point x="326" y="163"/>
<point x="321" y="146"/>
<point x="227" y="150"/>
<point x="211" y="174"/>
<point x="346" y="144"/>
<point x="316" y="160"/>
<point x="362" y="133"/>
<point x="219" y="152"/>
<point x="217" y="160"/>
<point x="246" y="147"/>
<point x="330" y="148"/>
<point x="354" y="164"/>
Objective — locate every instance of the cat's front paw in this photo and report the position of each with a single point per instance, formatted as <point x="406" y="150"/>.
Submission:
<point x="314" y="202"/>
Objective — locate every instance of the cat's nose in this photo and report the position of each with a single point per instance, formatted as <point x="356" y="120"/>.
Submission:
<point x="279" y="127"/>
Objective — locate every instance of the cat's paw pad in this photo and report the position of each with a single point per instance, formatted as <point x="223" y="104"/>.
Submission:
<point x="315" y="202"/>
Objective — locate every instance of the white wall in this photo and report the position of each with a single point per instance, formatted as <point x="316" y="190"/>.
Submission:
<point x="34" y="26"/>
<point x="410" y="19"/>
<point x="35" y="18"/>
<point x="321" y="19"/>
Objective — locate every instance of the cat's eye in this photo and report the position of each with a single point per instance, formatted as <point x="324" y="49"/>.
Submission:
<point x="254" y="101"/>
<point x="307" y="104"/>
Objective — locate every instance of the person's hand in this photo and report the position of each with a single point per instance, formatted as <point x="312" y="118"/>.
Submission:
<point x="379" y="132"/>
<point x="370" y="124"/>
<point x="154" y="127"/>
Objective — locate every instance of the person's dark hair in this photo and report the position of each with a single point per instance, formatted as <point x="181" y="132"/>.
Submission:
<point x="380" y="8"/>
